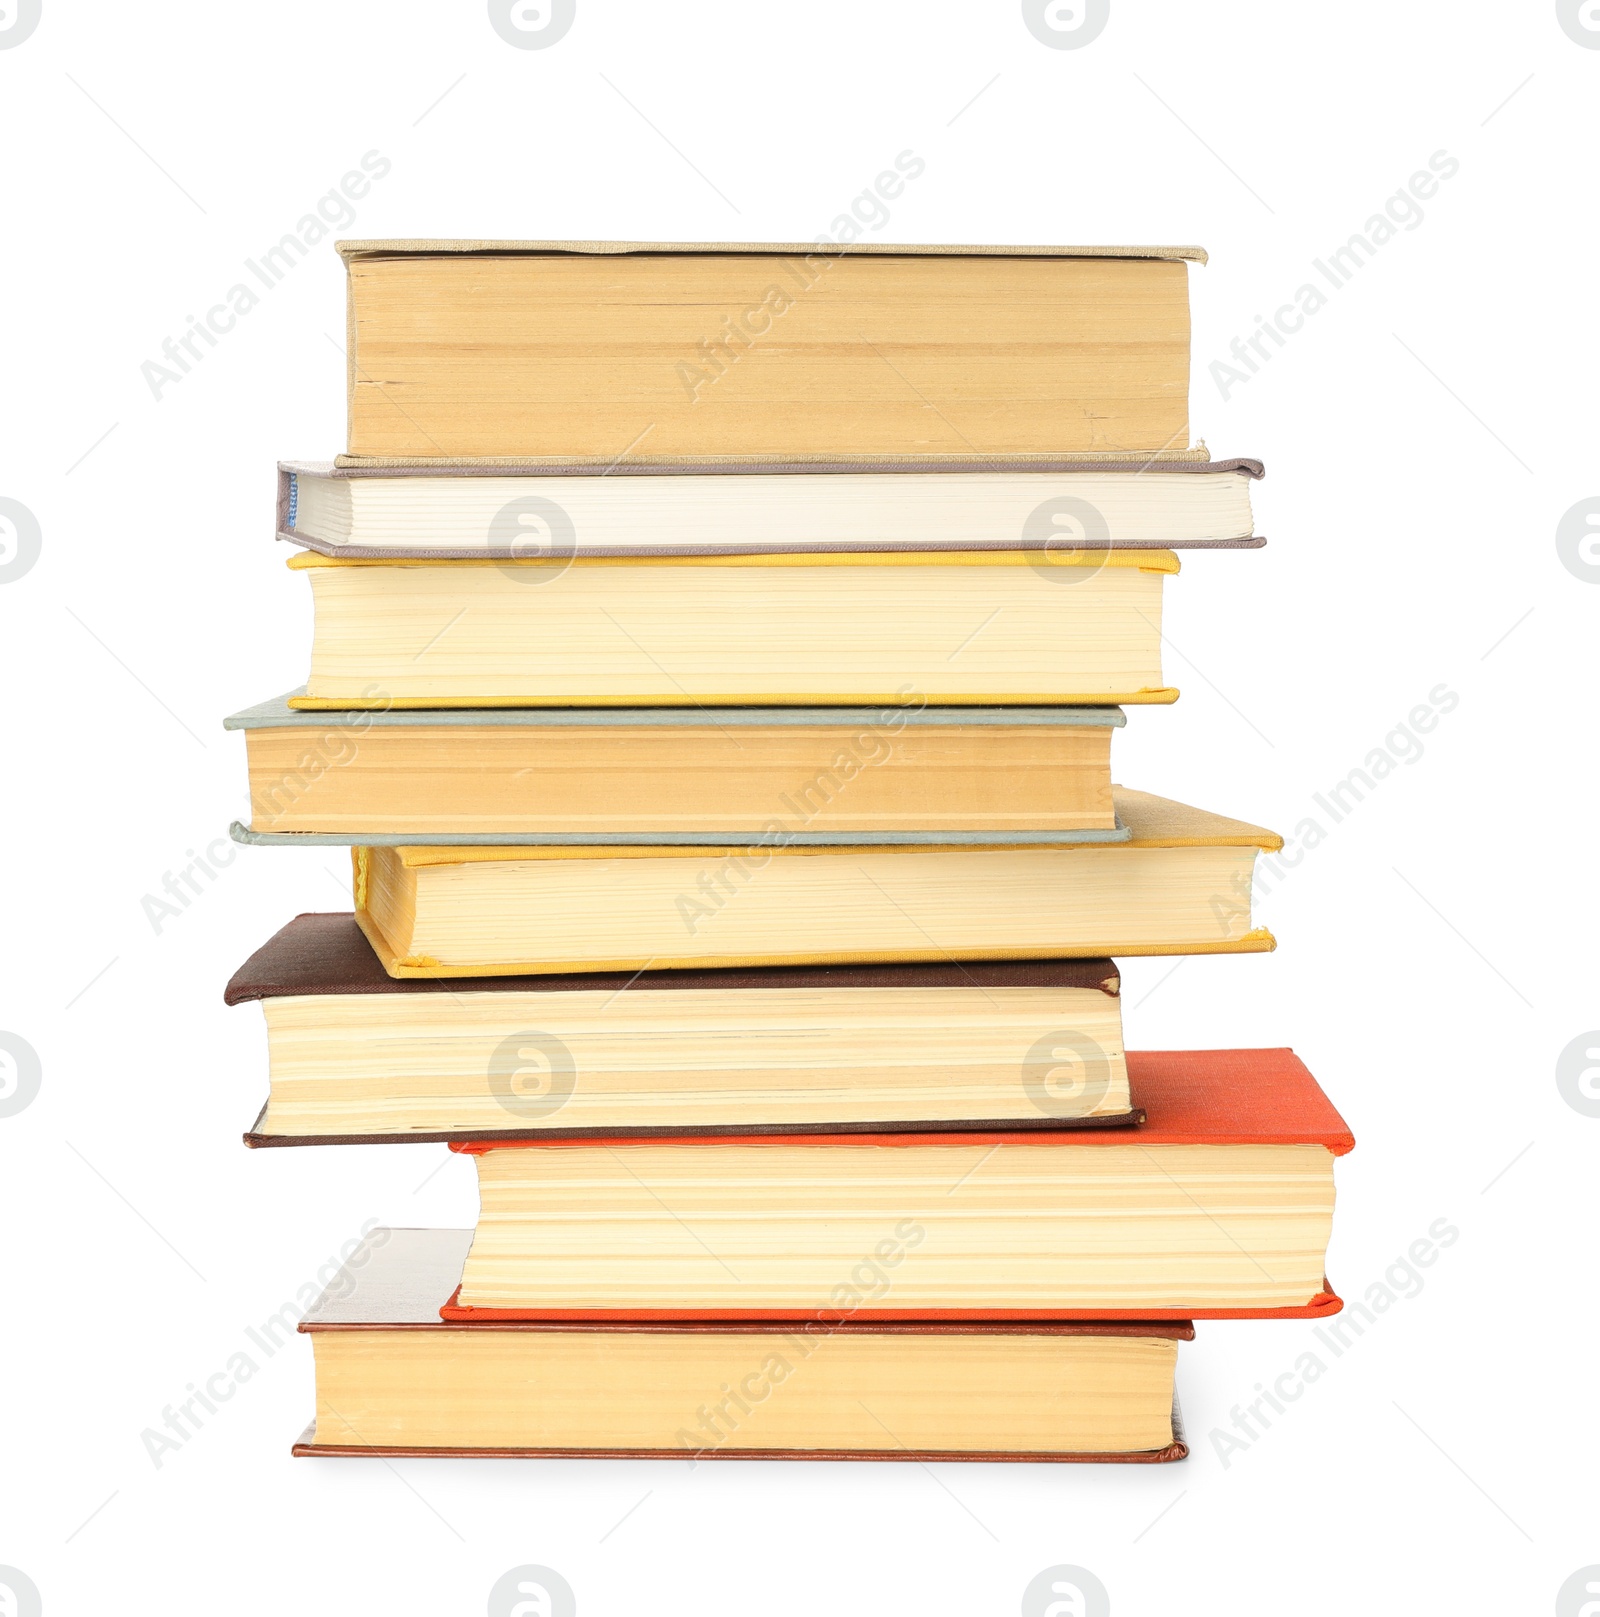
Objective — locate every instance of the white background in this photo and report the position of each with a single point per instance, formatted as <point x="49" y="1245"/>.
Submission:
<point x="1424" y="433"/>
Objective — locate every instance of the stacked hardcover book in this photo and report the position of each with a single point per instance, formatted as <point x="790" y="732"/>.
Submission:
<point x="718" y="657"/>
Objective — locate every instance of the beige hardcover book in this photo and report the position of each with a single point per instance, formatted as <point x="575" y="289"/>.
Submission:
<point x="604" y="351"/>
<point x="743" y="507"/>
<point x="603" y="774"/>
<point x="393" y="1379"/>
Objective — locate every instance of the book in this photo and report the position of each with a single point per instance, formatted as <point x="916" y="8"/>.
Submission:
<point x="968" y="628"/>
<point x="605" y="351"/>
<point x="759" y="508"/>
<point x="1219" y="1206"/>
<point x="1180" y="884"/>
<point x="650" y="775"/>
<point x="392" y="1379"/>
<point x="357" y="1056"/>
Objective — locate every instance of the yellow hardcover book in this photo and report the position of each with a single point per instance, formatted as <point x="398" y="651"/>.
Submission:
<point x="984" y="628"/>
<point x="1179" y="885"/>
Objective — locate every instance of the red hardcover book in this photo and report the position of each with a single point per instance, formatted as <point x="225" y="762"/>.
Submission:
<point x="1220" y="1207"/>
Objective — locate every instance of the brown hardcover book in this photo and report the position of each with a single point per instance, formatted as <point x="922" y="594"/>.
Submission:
<point x="359" y="1057"/>
<point x="605" y="351"/>
<point x="393" y="1379"/>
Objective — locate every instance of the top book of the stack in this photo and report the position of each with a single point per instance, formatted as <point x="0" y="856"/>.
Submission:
<point x="591" y="353"/>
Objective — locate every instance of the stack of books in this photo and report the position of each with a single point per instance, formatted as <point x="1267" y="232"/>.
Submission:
<point x="718" y="657"/>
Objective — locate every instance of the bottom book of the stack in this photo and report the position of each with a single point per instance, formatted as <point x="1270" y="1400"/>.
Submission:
<point x="393" y="1378"/>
